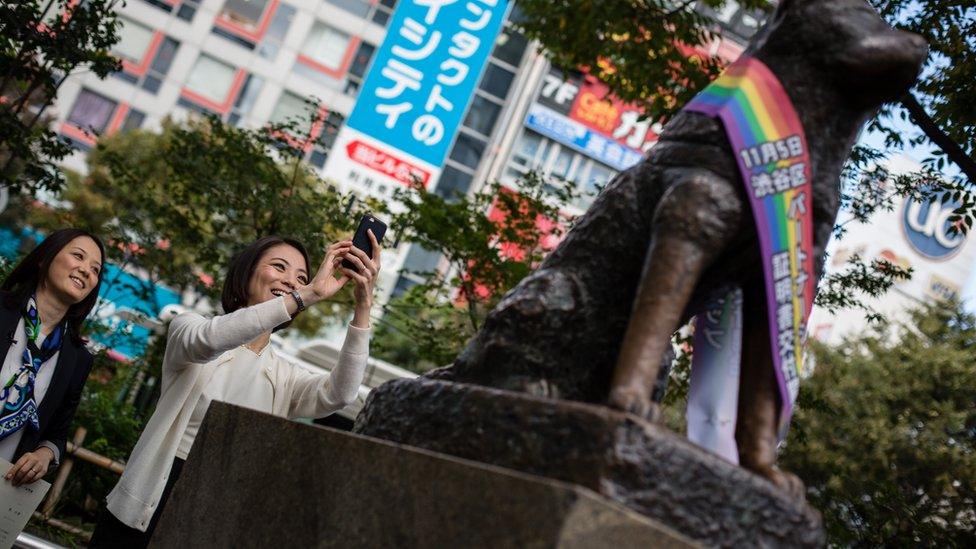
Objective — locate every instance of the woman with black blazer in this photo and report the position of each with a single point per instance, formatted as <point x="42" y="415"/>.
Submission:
<point x="43" y="303"/>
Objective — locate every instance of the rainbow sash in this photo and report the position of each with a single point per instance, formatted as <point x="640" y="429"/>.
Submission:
<point x="771" y="150"/>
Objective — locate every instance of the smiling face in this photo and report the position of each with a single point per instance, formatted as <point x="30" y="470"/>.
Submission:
<point x="280" y="270"/>
<point x="73" y="272"/>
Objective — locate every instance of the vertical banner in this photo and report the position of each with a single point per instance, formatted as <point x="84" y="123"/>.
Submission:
<point x="418" y="88"/>
<point x="713" y="392"/>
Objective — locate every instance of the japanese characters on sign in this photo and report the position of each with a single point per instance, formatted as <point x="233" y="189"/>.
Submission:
<point x="424" y="74"/>
<point x="569" y="132"/>
<point x="767" y="138"/>
<point x="589" y="102"/>
<point x="387" y="164"/>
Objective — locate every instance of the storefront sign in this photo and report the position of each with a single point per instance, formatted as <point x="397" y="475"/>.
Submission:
<point x="587" y="101"/>
<point x="385" y="163"/>
<point x="580" y="137"/>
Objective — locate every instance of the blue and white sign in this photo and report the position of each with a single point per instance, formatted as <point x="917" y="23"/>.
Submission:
<point x="123" y="299"/>
<point x="928" y="229"/>
<point x="570" y="132"/>
<point x="424" y="74"/>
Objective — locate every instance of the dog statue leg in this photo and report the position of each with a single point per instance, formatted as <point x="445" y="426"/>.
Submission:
<point x="759" y="403"/>
<point x="693" y="223"/>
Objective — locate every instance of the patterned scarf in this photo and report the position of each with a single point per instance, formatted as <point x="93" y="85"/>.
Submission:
<point x="17" y="394"/>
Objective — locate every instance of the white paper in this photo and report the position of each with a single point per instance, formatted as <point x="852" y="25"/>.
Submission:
<point x="17" y="504"/>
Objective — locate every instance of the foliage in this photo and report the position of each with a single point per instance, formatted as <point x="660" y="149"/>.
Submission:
<point x="489" y="240"/>
<point x="42" y="42"/>
<point x="6" y="265"/>
<point x="421" y="330"/>
<point x="846" y="289"/>
<point x="639" y="49"/>
<point x="945" y="88"/>
<point x="885" y="433"/>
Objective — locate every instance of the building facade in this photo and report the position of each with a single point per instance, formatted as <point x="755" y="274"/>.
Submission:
<point x="913" y="234"/>
<point x="255" y="62"/>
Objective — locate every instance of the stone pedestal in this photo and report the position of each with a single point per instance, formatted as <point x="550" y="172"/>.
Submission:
<point x="639" y="464"/>
<point x="254" y="480"/>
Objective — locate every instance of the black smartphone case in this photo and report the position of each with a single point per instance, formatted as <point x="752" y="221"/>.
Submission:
<point x="361" y="239"/>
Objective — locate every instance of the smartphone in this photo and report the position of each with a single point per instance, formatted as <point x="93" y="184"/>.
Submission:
<point x="361" y="238"/>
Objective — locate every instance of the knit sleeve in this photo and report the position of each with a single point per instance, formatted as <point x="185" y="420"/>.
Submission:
<point x="318" y="395"/>
<point x="194" y="339"/>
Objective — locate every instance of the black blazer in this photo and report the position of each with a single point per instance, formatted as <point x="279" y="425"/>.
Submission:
<point x="57" y="410"/>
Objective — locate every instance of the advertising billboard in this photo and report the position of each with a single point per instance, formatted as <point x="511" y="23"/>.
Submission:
<point x="578" y="111"/>
<point x="915" y="234"/>
<point x="417" y="90"/>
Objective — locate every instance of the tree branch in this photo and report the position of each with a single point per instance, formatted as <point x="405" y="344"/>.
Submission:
<point x="935" y="134"/>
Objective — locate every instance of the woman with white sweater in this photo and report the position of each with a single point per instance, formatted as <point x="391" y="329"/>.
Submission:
<point x="228" y="358"/>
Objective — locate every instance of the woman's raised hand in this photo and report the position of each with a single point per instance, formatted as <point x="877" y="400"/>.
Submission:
<point x="324" y="284"/>
<point x="365" y="274"/>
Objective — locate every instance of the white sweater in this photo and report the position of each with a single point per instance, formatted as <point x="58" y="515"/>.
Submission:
<point x="196" y="346"/>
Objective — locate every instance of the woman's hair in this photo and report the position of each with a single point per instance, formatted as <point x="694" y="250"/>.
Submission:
<point x="242" y="265"/>
<point x="24" y="279"/>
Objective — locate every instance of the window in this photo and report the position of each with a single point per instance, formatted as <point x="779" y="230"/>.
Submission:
<point x="246" y="13"/>
<point x="146" y="55"/>
<point x="216" y="87"/>
<point x="326" y="56"/>
<point x="534" y="152"/>
<point x="357" y="69"/>
<point x="524" y="156"/>
<point x="382" y="12"/>
<point x="420" y="260"/>
<point x="245" y="99"/>
<point x="160" y="65"/>
<point x="496" y="81"/>
<point x="468" y="150"/>
<point x="93" y="115"/>
<point x="510" y="46"/>
<point x="134" y="40"/>
<point x="185" y="9"/>
<point x="482" y="115"/>
<point x="293" y="108"/>
<point x="133" y="120"/>
<point x="562" y="164"/>
<point x="453" y="183"/>
<point x="326" y="46"/>
<point x="91" y="112"/>
<point x="211" y="79"/>
<point x="403" y="284"/>
<point x="290" y="108"/>
<point x="355" y="7"/>
<point x="327" y="136"/>
<point x="598" y="178"/>
<point x="377" y="12"/>
<point x="251" y="24"/>
<point x="271" y="43"/>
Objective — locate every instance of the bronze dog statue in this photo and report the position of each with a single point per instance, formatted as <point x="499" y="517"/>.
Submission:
<point x="594" y="321"/>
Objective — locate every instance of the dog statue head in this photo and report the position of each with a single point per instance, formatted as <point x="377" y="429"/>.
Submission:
<point x="844" y="43"/>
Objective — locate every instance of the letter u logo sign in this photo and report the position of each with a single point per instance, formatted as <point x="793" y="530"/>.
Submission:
<point x="928" y="229"/>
